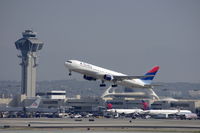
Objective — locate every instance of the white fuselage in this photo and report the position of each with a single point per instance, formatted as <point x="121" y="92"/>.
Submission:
<point x="125" y="111"/>
<point x="176" y="111"/>
<point x="99" y="72"/>
<point x="149" y="112"/>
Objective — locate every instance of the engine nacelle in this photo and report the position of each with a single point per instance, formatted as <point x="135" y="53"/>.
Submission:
<point x="89" y="78"/>
<point x="108" y="77"/>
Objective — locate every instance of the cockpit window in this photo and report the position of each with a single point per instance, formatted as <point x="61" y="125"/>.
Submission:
<point x="69" y="61"/>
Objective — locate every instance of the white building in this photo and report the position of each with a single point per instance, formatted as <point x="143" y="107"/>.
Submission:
<point x="56" y="94"/>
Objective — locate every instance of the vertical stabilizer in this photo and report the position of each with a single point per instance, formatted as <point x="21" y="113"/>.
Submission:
<point x="35" y="104"/>
<point x="153" y="71"/>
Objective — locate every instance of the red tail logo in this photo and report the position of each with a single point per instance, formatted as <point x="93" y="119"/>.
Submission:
<point x="145" y="105"/>
<point x="109" y="106"/>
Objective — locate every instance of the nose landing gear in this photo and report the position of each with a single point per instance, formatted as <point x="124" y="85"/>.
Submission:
<point x="70" y="73"/>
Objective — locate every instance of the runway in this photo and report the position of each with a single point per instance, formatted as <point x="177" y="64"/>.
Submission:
<point x="100" y="124"/>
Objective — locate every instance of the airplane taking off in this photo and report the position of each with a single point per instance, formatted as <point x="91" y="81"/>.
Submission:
<point x="92" y="72"/>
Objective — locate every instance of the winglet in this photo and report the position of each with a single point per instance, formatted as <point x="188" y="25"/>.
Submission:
<point x="152" y="72"/>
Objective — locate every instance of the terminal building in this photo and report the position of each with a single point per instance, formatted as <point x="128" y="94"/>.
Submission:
<point x="127" y="103"/>
<point x="55" y="101"/>
<point x="87" y="104"/>
<point x="192" y="105"/>
<point x="56" y="95"/>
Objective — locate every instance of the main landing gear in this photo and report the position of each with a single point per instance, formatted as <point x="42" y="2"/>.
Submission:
<point x="115" y="85"/>
<point x="102" y="84"/>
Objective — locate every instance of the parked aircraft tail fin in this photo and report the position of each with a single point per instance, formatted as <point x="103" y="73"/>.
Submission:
<point x="35" y="104"/>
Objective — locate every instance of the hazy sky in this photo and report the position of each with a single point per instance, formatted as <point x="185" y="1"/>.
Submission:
<point x="129" y="36"/>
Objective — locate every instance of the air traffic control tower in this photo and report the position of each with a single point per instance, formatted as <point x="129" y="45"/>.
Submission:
<point x="29" y="45"/>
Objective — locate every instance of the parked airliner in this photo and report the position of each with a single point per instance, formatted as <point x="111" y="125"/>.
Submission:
<point x="166" y="111"/>
<point x="92" y="72"/>
<point x="146" y="111"/>
<point x="125" y="111"/>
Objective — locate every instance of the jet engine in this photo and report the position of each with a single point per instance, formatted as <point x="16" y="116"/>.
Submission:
<point x="108" y="77"/>
<point x="89" y="78"/>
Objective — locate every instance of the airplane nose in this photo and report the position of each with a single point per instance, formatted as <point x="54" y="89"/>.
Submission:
<point x="66" y="64"/>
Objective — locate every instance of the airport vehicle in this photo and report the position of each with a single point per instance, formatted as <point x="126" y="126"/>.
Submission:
<point x="92" y="73"/>
<point x="77" y="116"/>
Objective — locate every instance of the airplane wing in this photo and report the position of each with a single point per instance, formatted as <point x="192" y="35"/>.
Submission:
<point x="152" y="85"/>
<point x="120" y="78"/>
